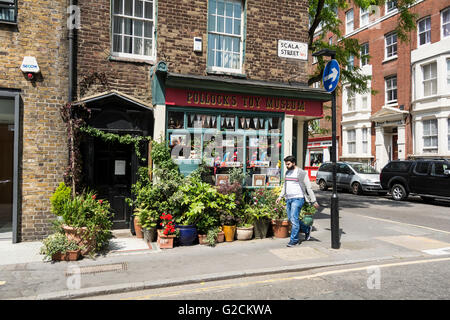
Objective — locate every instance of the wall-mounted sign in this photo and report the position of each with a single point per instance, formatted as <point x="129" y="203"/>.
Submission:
<point x="207" y="99"/>
<point x="29" y="64"/>
<point x="293" y="50"/>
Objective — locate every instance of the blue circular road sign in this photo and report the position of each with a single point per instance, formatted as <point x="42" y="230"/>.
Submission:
<point x="331" y="75"/>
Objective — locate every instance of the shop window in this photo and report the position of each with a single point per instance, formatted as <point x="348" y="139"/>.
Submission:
<point x="8" y="11"/>
<point x="316" y="158"/>
<point x="133" y="28"/>
<point x="241" y="142"/>
<point x="176" y="120"/>
<point x="225" y="35"/>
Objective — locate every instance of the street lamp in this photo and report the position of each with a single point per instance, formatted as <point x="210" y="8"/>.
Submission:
<point x="335" y="241"/>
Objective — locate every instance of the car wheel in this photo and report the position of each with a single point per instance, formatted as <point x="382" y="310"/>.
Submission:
<point x="427" y="199"/>
<point x="398" y="192"/>
<point x="323" y="185"/>
<point x="356" y="188"/>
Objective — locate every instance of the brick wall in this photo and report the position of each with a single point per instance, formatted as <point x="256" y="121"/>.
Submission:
<point x="40" y="33"/>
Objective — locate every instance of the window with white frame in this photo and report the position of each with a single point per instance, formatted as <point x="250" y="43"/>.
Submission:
<point x="133" y="28"/>
<point x="430" y="135"/>
<point x="365" y="141"/>
<point x="391" y="45"/>
<point x="429" y="72"/>
<point x="350" y="99"/>
<point x="448" y="72"/>
<point x="364" y="54"/>
<point x="363" y="17"/>
<point x="364" y="102"/>
<point x="424" y="31"/>
<point x="391" y="5"/>
<point x="351" y="62"/>
<point x="351" y="141"/>
<point x="225" y="36"/>
<point x="349" y="21"/>
<point x="391" y="90"/>
<point x="445" y="20"/>
<point x="448" y="134"/>
<point x="8" y="10"/>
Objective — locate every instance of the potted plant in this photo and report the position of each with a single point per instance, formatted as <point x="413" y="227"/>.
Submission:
<point x="148" y="219"/>
<point x="213" y="236"/>
<point x="259" y="212"/>
<point x="56" y="247"/>
<point x="280" y="223"/>
<point x="229" y="222"/>
<point x="168" y="232"/>
<point x="306" y="214"/>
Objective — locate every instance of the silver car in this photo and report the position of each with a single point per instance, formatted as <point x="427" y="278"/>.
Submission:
<point x="354" y="176"/>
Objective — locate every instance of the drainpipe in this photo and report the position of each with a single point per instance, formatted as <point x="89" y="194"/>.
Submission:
<point x="71" y="65"/>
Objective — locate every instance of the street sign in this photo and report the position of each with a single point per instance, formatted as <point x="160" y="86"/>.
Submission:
<point x="331" y="75"/>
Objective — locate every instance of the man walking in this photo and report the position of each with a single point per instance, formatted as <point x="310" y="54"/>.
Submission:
<point x="296" y="189"/>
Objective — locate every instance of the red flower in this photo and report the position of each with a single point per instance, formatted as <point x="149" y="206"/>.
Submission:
<point x="94" y="196"/>
<point x="100" y="201"/>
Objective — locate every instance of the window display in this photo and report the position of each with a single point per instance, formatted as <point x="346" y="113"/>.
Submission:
<point x="228" y="140"/>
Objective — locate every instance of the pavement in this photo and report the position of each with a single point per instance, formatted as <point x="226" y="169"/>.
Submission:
<point x="130" y="264"/>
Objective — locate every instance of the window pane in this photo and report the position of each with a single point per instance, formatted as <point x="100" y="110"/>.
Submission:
<point x="212" y="23"/>
<point x="128" y="7"/>
<point x="220" y="8"/>
<point x="138" y="28"/>
<point x="117" y="43"/>
<point x="212" y="6"/>
<point x="227" y="60"/>
<point x="237" y="27"/>
<point x="228" y="43"/>
<point x="229" y="9"/>
<point x="127" y="44"/>
<point x="220" y="24"/>
<point x="118" y="4"/>
<point x="117" y="22"/>
<point x="219" y="59"/>
<point x="148" y="10"/>
<point x="148" y="47"/>
<point x="128" y="26"/>
<point x="148" y="29"/>
<point x="229" y="26"/>
<point x="138" y="8"/>
<point x="237" y="10"/>
<point x="236" y="45"/>
<point x="137" y="46"/>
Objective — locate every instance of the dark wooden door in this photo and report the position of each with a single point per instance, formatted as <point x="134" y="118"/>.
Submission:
<point x="112" y="175"/>
<point x="394" y="147"/>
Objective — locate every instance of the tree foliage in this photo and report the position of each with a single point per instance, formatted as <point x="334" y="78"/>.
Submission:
<point x="323" y="16"/>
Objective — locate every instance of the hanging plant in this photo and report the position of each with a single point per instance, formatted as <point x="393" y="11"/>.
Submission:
<point x="113" y="137"/>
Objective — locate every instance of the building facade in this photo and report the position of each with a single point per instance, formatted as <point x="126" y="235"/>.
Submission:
<point x="408" y="116"/>
<point x="33" y="137"/>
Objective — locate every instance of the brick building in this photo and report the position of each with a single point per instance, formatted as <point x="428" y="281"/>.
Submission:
<point x="33" y="152"/>
<point x="230" y="71"/>
<point x="409" y="116"/>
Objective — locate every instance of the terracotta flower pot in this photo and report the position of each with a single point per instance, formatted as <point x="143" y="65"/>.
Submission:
<point x="79" y="235"/>
<point x="244" y="233"/>
<point x="280" y="228"/>
<point x="138" y="228"/>
<point x="221" y="237"/>
<point x="202" y="239"/>
<point x="165" y="242"/>
<point x="229" y="232"/>
<point x="70" y="255"/>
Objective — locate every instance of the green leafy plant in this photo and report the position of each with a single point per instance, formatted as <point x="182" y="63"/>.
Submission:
<point x="264" y="199"/>
<point x="237" y="175"/>
<point x="57" y="243"/>
<point x="211" y="236"/>
<point x="61" y="195"/>
<point x="148" y="218"/>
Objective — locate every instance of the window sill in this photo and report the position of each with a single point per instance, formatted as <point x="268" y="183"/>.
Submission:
<point x="9" y="23"/>
<point x="226" y="73"/>
<point x="132" y="60"/>
<point x="389" y="59"/>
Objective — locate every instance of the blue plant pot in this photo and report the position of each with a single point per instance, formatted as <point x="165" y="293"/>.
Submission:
<point x="188" y="234"/>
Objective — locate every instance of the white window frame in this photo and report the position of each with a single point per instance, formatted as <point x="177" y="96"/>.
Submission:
<point x="351" y="141"/>
<point x="363" y="17"/>
<point x="363" y="54"/>
<point x="350" y="100"/>
<point x="365" y="105"/>
<point x="348" y="21"/>
<point x="213" y="67"/>
<point x="390" y="87"/>
<point x="390" y="36"/>
<point x="365" y="140"/>
<point x="447" y="10"/>
<point x="134" y="19"/>
<point x="351" y="62"/>
<point x="427" y="77"/>
<point x="426" y="31"/>
<point x="430" y="135"/>
<point x="390" y="6"/>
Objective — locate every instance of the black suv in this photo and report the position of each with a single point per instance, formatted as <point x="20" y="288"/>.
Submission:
<point x="427" y="178"/>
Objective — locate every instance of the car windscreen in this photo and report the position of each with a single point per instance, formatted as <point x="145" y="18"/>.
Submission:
<point x="364" y="168"/>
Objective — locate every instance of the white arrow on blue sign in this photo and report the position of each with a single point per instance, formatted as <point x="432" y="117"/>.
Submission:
<point x="331" y="75"/>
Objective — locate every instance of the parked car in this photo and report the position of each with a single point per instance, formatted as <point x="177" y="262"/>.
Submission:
<point x="354" y="176"/>
<point x="429" y="179"/>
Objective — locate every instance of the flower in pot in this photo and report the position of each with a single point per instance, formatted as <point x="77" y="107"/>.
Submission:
<point x="56" y="247"/>
<point x="214" y="235"/>
<point x="168" y="232"/>
<point x="260" y="218"/>
<point x="306" y="214"/>
<point x="148" y="220"/>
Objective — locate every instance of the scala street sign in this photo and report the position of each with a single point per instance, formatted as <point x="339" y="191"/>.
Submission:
<point x="331" y="75"/>
<point x="292" y="50"/>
